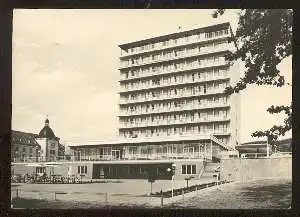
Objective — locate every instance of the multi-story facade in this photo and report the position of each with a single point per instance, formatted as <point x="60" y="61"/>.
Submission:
<point x="24" y="146"/>
<point x="173" y="109"/>
<point x="174" y="85"/>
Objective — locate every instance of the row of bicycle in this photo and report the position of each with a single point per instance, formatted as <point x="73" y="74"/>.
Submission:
<point x="34" y="178"/>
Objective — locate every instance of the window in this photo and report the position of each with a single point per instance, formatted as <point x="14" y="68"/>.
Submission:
<point x="189" y="169"/>
<point x="41" y="170"/>
<point x="156" y="81"/>
<point x="52" y="145"/>
<point x="193" y="169"/>
<point x="52" y="151"/>
<point x="183" y="169"/>
<point x="82" y="169"/>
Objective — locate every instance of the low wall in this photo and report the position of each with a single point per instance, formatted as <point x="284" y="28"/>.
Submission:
<point x="243" y="169"/>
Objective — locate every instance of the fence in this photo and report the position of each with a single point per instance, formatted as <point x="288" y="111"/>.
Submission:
<point x="264" y="155"/>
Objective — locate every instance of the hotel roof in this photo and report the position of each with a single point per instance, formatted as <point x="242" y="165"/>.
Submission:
<point x="179" y="33"/>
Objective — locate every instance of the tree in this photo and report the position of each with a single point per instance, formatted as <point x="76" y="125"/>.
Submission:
<point x="264" y="39"/>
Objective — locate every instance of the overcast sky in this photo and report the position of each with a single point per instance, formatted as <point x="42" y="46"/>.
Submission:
<point x="65" y="64"/>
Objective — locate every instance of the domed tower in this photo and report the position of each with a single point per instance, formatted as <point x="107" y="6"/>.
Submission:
<point x="49" y="143"/>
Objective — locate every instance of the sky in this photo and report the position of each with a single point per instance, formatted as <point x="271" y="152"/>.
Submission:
<point x="65" y="65"/>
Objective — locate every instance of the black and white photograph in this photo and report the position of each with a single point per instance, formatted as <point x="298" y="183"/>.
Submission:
<point x="148" y="109"/>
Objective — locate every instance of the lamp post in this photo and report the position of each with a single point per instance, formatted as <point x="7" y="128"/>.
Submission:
<point x="172" y="171"/>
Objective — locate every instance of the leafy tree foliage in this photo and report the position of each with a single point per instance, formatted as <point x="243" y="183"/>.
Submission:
<point x="264" y="38"/>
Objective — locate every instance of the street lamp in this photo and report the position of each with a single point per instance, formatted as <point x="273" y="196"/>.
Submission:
<point x="172" y="171"/>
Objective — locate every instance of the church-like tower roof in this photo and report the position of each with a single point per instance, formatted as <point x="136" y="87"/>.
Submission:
<point x="47" y="132"/>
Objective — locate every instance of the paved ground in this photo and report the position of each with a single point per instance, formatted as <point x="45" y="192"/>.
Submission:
<point x="135" y="187"/>
<point x="255" y="194"/>
<point x="128" y="191"/>
<point x="263" y="194"/>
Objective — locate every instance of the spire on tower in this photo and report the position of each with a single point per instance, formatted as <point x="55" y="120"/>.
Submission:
<point x="47" y="120"/>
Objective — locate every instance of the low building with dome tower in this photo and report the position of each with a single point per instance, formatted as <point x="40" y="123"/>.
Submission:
<point x="31" y="147"/>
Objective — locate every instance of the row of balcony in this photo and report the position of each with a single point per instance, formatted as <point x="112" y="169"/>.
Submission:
<point x="183" y="116"/>
<point x="174" y="121"/>
<point x="170" y="82"/>
<point x="177" y="68"/>
<point x="160" y="133"/>
<point x="162" y="69"/>
<point x="157" y="156"/>
<point x="170" y="109"/>
<point x="173" y="56"/>
<point x="136" y="156"/>
<point x="161" y="97"/>
<point x="171" y="43"/>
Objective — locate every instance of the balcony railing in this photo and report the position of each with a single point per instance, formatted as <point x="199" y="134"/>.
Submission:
<point x="183" y="135"/>
<point x="174" y="109"/>
<point x="149" y="73"/>
<point x="173" y="45"/>
<point x="140" y="87"/>
<point x="162" y="97"/>
<point x="136" y="156"/>
<point x="186" y="54"/>
<point x="264" y="155"/>
<point x="172" y="122"/>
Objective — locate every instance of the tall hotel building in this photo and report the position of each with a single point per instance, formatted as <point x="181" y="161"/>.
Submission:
<point x="172" y="86"/>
